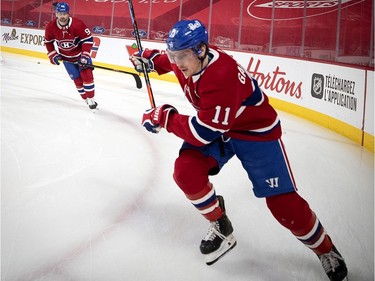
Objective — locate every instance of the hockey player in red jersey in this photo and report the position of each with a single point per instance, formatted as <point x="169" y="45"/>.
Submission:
<point x="233" y="117"/>
<point x="74" y="42"/>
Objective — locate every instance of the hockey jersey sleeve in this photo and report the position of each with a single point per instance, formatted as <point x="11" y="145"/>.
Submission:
<point x="49" y="39"/>
<point x="85" y="36"/>
<point x="162" y="64"/>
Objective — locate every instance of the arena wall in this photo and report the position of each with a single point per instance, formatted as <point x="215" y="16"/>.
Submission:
<point x="337" y="96"/>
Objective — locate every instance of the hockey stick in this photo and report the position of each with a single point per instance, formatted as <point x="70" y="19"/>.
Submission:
<point x="136" y="76"/>
<point x="92" y="66"/>
<point x="136" y="34"/>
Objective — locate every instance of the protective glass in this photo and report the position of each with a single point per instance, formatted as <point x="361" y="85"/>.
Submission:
<point x="180" y="56"/>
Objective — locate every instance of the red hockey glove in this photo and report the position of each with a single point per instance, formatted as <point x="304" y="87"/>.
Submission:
<point x="85" y="61"/>
<point x="144" y="58"/>
<point x="54" y="57"/>
<point x="156" y="118"/>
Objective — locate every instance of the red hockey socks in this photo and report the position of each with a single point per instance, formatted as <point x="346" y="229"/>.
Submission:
<point x="191" y="175"/>
<point x="88" y="82"/>
<point x="207" y="203"/>
<point x="79" y="85"/>
<point x="294" y="213"/>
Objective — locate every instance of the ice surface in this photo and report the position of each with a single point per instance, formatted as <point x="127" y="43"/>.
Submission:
<point x="90" y="197"/>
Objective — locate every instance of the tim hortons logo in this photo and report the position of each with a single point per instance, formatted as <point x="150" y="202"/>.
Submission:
<point x="289" y="10"/>
<point x="275" y="81"/>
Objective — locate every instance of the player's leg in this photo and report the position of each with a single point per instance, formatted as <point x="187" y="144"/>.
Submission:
<point x="73" y="71"/>
<point x="89" y="86"/>
<point x="79" y="85"/>
<point x="294" y="213"/>
<point x="192" y="169"/>
<point x="268" y="168"/>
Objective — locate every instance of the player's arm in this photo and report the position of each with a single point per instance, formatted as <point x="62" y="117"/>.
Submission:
<point x="87" y="44"/>
<point x="85" y="40"/>
<point x="189" y="128"/>
<point x="49" y="40"/>
<point x="193" y="130"/>
<point x="219" y="105"/>
<point x="153" y="60"/>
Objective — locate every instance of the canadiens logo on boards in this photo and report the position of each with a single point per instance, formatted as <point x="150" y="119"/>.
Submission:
<point x="290" y="10"/>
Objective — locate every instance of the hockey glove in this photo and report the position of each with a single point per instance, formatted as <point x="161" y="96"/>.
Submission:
<point x="156" y="118"/>
<point x="144" y="58"/>
<point x="54" y="57"/>
<point x="85" y="61"/>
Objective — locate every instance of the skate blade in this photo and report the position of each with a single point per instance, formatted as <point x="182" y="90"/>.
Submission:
<point x="225" y="247"/>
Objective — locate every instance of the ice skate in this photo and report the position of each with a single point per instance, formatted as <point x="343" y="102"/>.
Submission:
<point x="219" y="239"/>
<point x="334" y="265"/>
<point x="92" y="104"/>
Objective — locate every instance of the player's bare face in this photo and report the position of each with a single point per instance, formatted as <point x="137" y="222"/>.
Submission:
<point x="186" y="60"/>
<point x="62" y="18"/>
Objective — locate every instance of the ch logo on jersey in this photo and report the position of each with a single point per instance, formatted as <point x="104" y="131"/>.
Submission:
<point x="66" y="45"/>
<point x="273" y="182"/>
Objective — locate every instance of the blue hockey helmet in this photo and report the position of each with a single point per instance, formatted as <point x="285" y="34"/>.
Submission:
<point x="187" y="34"/>
<point x="62" y="7"/>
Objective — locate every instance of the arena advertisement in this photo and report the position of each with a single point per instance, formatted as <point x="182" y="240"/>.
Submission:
<point x="340" y="92"/>
<point x="336" y="91"/>
<point x="17" y="37"/>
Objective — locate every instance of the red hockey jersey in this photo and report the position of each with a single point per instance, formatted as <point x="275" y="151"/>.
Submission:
<point x="228" y="101"/>
<point x="71" y="40"/>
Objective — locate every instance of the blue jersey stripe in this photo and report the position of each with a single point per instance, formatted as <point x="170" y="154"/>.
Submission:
<point x="255" y="97"/>
<point x="206" y="202"/>
<point x="203" y="132"/>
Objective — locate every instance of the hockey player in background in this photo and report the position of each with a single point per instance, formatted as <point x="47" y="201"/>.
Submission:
<point x="233" y="117"/>
<point x="74" y="42"/>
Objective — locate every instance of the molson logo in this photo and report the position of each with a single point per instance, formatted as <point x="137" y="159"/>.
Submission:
<point x="289" y="10"/>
